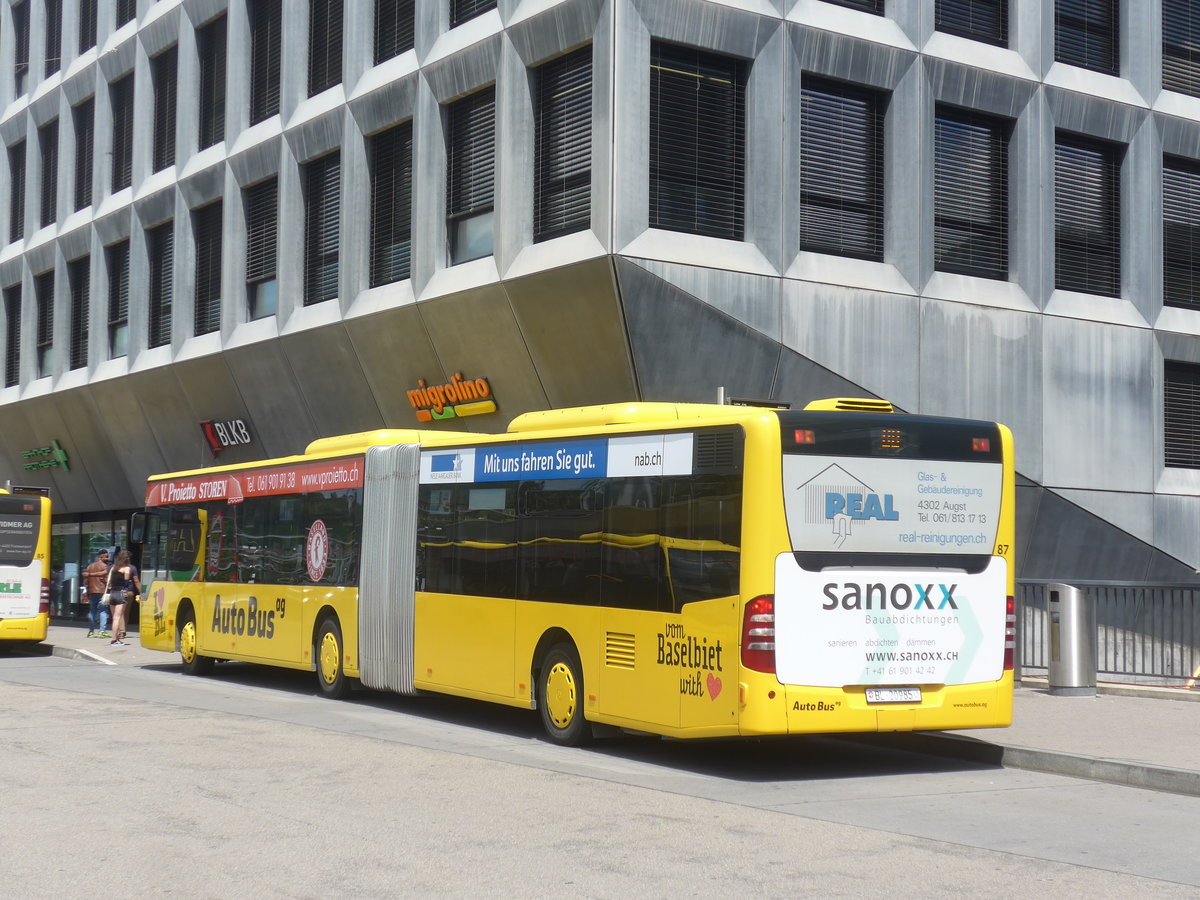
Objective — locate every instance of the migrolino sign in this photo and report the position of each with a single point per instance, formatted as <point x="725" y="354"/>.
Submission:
<point x="456" y="398"/>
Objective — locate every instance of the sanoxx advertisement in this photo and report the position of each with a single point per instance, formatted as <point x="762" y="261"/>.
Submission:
<point x="875" y="626"/>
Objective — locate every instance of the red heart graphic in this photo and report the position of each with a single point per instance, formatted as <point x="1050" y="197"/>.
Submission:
<point x="714" y="685"/>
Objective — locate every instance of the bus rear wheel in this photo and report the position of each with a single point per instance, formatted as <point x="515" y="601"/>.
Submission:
<point x="189" y="647"/>
<point x="560" y="696"/>
<point x="331" y="675"/>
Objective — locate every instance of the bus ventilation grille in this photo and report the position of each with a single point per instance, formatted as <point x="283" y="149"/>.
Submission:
<point x="715" y="452"/>
<point x="855" y="404"/>
<point x="618" y="650"/>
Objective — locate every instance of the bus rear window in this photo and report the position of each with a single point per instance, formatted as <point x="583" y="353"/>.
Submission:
<point x="889" y="436"/>
<point x="20" y="518"/>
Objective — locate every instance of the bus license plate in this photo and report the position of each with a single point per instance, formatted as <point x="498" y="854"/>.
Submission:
<point x="894" y="695"/>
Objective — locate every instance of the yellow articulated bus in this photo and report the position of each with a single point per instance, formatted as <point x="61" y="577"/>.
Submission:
<point x="24" y="565"/>
<point x="680" y="569"/>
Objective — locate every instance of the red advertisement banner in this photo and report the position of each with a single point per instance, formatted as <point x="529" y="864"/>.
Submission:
<point x="235" y="487"/>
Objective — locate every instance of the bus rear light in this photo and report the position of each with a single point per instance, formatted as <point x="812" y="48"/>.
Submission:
<point x="758" y="634"/>
<point x="981" y="445"/>
<point x="1010" y="633"/>
<point x="44" y="605"/>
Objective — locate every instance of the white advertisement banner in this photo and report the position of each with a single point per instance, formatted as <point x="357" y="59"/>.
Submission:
<point x="874" y="505"/>
<point x="20" y="591"/>
<point x="879" y="627"/>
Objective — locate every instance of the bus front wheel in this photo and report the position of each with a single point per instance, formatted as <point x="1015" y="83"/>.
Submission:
<point x="189" y="648"/>
<point x="331" y="675"/>
<point x="560" y="697"/>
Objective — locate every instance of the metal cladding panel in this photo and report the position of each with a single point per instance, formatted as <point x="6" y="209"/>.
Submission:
<point x="476" y="333"/>
<point x="752" y="299"/>
<point x="129" y="409"/>
<point x="214" y="395"/>
<point x="868" y="337"/>
<point x="394" y="351"/>
<point x="273" y="398"/>
<point x="388" y="580"/>
<point x="331" y="380"/>
<point x="684" y="350"/>
<point x="1069" y="542"/>
<point x="978" y="362"/>
<point x="1099" y="428"/>
<point x="571" y="322"/>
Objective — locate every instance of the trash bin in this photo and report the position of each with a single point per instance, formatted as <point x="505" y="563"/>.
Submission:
<point x="1071" y="629"/>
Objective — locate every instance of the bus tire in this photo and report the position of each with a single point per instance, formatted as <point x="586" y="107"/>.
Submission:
<point x="560" y="697"/>
<point x="327" y="654"/>
<point x="193" y="662"/>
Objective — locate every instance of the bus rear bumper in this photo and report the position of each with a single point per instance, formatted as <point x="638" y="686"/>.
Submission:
<point x="772" y="708"/>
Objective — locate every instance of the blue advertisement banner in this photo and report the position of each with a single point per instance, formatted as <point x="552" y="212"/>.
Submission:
<point x="570" y="459"/>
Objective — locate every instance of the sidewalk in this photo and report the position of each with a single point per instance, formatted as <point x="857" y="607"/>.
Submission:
<point x="1143" y="737"/>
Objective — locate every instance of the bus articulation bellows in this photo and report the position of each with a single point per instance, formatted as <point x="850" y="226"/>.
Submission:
<point x="687" y="570"/>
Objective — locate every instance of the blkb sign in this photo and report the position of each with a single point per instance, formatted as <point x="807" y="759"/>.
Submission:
<point x="221" y="435"/>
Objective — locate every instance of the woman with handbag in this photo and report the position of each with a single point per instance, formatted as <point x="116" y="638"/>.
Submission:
<point x="123" y="586"/>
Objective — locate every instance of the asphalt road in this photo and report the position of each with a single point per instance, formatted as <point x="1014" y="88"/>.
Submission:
<point x="136" y="781"/>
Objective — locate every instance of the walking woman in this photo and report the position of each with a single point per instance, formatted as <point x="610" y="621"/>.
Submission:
<point x="124" y="585"/>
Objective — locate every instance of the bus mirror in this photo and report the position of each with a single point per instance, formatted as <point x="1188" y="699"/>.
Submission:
<point x="137" y="528"/>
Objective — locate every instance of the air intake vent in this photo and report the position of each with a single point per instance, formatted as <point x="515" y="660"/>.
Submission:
<point x="619" y="650"/>
<point x="717" y="451"/>
<point x="851" y="404"/>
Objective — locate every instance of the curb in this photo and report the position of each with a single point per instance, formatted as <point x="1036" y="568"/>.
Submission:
<point x="85" y="655"/>
<point x="1054" y="762"/>
<point x="1155" y="692"/>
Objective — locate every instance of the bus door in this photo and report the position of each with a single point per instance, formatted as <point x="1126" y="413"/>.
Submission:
<point x="640" y="670"/>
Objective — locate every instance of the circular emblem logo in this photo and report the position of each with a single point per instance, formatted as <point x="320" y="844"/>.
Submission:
<point x="316" y="551"/>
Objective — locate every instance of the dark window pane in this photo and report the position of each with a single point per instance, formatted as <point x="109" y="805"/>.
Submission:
<point x="980" y="20"/>
<point x="563" y="145"/>
<point x="211" y="46"/>
<point x="87" y="24"/>
<point x="266" y="18"/>
<point x="53" y="34"/>
<point x="164" y="69"/>
<point x="391" y="204"/>
<point x="1087" y="208"/>
<point x="470" y="174"/>
<point x="261" y="228"/>
<point x="871" y="6"/>
<point x="970" y="194"/>
<point x="207" y="224"/>
<point x="116" y="258"/>
<point x="48" y="140"/>
<point x="161" y="248"/>
<point x="84" y="117"/>
<point x="1181" y="415"/>
<point x="43" y="293"/>
<point x="126" y="10"/>
<point x="1086" y="34"/>
<point x="16" y="196"/>
<point x="12" y="341"/>
<point x="462" y="10"/>
<point x="841" y="170"/>
<point x="20" y="19"/>
<point x="697" y="141"/>
<point x="394" y="26"/>
<point x="121" y="94"/>
<point x="1181" y="46"/>
<point x="1181" y="232"/>
<point x="80" y="277"/>
<point x="322" y="202"/>
<point x="324" y="45"/>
